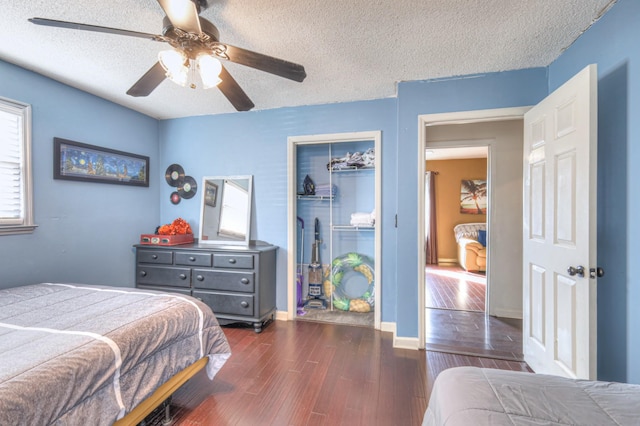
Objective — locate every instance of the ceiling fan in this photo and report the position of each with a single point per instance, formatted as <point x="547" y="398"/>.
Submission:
<point x="196" y="45"/>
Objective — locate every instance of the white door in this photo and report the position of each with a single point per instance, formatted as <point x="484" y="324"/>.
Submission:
<point x="559" y="303"/>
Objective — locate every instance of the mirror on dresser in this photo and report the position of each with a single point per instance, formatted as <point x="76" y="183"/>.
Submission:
<point x="225" y="217"/>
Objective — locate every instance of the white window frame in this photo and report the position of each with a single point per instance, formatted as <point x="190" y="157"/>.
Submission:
<point x="25" y="223"/>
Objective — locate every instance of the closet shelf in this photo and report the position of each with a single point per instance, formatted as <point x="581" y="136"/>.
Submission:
<point x="351" y="169"/>
<point x="353" y="228"/>
<point x="315" y="197"/>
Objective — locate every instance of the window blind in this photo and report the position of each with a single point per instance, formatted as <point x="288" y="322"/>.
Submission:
<point x="11" y="168"/>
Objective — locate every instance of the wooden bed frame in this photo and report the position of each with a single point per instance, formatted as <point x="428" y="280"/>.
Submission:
<point x="143" y="409"/>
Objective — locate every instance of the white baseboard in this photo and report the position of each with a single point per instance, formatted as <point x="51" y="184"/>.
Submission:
<point x="447" y="261"/>
<point x="282" y="316"/>
<point x="405" y="343"/>
<point x="390" y="327"/>
<point x="399" y="342"/>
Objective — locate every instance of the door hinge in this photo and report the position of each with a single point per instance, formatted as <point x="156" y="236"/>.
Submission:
<point x="596" y="272"/>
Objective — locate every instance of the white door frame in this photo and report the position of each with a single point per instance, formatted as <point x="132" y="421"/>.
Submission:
<point x="463" y="117"/>
<point x="292" y="241"/>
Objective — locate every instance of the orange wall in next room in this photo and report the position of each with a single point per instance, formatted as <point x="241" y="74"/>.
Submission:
<point x="450" y="173"/>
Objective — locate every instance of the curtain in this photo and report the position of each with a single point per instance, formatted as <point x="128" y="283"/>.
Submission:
<point x="431" y="237"/>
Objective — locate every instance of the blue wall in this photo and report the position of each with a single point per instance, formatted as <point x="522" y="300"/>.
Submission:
<point x="85" y="230"/>
<point x="612" y="44"/>
<point x="256" y="143"/>
<point x="496" y="90"/>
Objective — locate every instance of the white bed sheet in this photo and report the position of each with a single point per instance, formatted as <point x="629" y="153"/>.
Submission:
<point x="471" y="396"/>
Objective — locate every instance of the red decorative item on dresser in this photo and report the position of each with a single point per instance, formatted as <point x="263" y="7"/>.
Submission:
<point x="176" y="233"/>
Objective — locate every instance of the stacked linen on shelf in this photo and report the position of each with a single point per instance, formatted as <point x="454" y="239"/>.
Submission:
<point x="325" y="190"/>
<point x="363" y="219"/>
<point x="357" y="160"/>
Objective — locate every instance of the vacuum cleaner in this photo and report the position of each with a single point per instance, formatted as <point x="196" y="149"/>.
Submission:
<point x="315" y="299"/>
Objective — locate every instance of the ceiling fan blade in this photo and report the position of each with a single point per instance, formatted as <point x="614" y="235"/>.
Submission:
<point x="266" y="63"/>
<point x="183" y="14"/>
<point x="86" y="27"/>
<point x="232" y="91"/>
<point x="148" y="82"/>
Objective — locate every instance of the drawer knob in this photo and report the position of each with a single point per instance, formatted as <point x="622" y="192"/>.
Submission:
<point x="143" y="273"/>
<point x="199" y="278"/>
<point x="232" y="261"/>
<point x="183" y="276"/>
<point x="245" y="281"/>
<point x="192" y="259"/>
<point x="154" y="256"/>
<point x="244" y="304"/>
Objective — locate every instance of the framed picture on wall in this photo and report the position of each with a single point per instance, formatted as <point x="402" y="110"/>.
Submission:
<point x="90" y="163"/>
<point x="473" y="196"/>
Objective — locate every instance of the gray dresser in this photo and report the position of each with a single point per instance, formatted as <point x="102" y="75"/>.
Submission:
<point x="238" y="283"/>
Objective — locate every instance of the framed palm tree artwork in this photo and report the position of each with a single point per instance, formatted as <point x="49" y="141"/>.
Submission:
<point x="473" y="196"/>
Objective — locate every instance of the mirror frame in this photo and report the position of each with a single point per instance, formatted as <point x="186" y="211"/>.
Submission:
<point x="247" y="239"/>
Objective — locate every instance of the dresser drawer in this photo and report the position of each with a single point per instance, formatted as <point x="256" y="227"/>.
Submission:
<point x="224" y="280"/>
<point x="236" y="261"/>
<point x="182" y="291"/>
<point x="193" y="259"/>
<point x="231" y="304"/>
<point x="155" y="256"/>
<point x="159" y="275"/>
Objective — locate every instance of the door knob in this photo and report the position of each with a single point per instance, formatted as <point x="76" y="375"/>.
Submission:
<point x="578" y="270"/>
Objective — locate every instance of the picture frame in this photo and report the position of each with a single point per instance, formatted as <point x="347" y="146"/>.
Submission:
<point x="473" y="196"/>
<point x="210" y="194"/>
<point x="90" y="163"/>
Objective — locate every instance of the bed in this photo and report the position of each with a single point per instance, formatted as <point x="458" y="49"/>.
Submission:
<point x="478" y="396"/>
<point x="77" y="354"/>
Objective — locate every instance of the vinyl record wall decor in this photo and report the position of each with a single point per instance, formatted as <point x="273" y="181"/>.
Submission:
<point x="186" y="186"/>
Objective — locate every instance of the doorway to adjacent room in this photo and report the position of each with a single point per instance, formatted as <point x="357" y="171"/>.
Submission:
<point x="472" y="306"/>
<point x="456" y="199"/>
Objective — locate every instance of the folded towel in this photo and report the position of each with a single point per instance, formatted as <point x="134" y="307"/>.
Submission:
<point x="325" y="189"/>
<point x="362" y="219"/>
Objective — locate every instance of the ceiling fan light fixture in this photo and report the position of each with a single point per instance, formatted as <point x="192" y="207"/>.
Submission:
<point x="175" y="64"/>
<point x="209" y="68"/>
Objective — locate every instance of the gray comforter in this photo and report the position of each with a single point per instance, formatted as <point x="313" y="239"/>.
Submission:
<point x="79" y="354"/>
<point x="465" y="396"/>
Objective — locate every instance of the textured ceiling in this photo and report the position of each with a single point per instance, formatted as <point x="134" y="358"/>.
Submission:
<point x="351" y="50"/>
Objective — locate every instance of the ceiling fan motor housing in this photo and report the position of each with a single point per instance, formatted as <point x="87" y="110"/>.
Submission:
<point x="191" y="43"/>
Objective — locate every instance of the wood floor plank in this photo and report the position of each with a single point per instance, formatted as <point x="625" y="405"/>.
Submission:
<point x="304" y="373"/>
<point x="451" y="287"/>
<point x="473" y="333"/>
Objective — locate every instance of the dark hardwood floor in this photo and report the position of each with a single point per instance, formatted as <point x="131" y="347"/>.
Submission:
<point x="473" y="333"/>
<point x="310" y="373"/>
<point x="455" y="318"/>
<point x="451" y="287"/>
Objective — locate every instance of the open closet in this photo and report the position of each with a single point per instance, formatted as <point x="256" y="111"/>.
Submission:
<point x="334" y="228"/>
